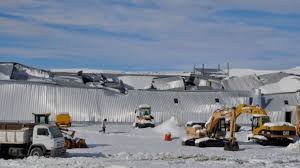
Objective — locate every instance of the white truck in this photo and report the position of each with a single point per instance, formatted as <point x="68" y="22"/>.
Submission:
<point x="27" y="139"/>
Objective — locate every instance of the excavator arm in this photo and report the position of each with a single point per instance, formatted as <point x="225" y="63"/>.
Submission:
<point x="232" y="144"/>
<point x="298" y="120"/>
<point x="246" y="109"/>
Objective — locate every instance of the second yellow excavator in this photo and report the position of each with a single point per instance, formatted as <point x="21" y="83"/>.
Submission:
<point x="264" y="131"/>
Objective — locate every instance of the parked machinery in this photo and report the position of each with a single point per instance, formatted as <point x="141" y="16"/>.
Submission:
<point x="264" y="131"/>
<point x="70" y="140"/>
<point x="63" y="120"/>
<point x="143" y="117"/>
<point x="19" y="140"/>
<point x="210" y="134"/>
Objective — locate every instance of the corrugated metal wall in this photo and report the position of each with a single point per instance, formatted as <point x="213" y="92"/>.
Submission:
<point x="20" y="100"/>
<point x="276" y="108"/>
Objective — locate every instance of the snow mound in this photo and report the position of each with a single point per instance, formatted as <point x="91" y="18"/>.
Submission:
<point x="171" y="126"/>
<point x="294" y="146"/>
<point x="293" y="83"/>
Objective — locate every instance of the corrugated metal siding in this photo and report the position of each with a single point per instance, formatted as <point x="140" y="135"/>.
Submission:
<point x="20" y="100"/>
<point x="274" y="105"/>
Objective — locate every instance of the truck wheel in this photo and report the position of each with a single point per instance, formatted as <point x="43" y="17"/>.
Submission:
<point x="36" y="151"/>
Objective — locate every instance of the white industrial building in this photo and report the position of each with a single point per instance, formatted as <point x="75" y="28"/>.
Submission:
<point x="93" y="97"/>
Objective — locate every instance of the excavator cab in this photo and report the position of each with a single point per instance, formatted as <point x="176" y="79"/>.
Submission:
<point x="220" y="130"/>
<point x="258" y="121"/>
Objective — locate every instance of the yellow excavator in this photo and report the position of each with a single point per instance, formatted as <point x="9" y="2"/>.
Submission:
<point x="70" y="140"/>
<point x="213" y="132"/>
<point x="264" y="131"/>
<point x="298" y="120"/>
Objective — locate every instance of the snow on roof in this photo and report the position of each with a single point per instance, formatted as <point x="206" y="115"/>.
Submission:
<point x="137" y="82"/>
<point x="258" y="115"/>
<point x="272" y="77"/>
<point x="167" y="83"/>
<point x="246" y="72"/>
<point x="139" y="73"/>
<point x="286" y="84"/>
<point x="278" y="124"/>
<point x="295" y="70"/>
<point x="249" y="82"/>
<point x="5" y="71"/>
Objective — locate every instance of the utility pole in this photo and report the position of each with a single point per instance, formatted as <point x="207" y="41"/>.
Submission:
<point x="227" y="68"/>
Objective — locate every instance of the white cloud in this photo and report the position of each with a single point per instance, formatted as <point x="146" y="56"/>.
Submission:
<point x="181" y="32"/>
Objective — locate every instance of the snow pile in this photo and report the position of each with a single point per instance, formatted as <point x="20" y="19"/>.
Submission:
<point x="278" y="124"/>
<point x="294" y="146"/>
<point x="287" y="84"/>
<point x="168" y="156"/>
<point x="171" y="126"/>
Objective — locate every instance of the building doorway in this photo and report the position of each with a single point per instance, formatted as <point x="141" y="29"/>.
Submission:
<point x="288" y="116"/>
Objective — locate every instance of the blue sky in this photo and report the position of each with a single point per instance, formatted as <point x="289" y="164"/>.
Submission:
<point x="150" y="35"/>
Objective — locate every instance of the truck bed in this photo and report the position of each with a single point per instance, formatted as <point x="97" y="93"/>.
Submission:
<point x="16" y="133"/>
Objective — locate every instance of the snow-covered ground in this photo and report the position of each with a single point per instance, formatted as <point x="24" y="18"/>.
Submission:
<point x="124" y="146"/>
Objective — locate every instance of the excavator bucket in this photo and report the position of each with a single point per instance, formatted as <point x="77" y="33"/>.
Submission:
<point x="80" y="143"/>
<point x="75" y="143"/>
<point x="229" y="146"/>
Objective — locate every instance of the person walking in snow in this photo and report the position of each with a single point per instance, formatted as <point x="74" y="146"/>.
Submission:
<point x="104" y="125"/>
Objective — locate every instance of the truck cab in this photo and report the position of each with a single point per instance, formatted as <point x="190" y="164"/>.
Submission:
<point x="28" y="139"/>
<point x="47" y="140"/>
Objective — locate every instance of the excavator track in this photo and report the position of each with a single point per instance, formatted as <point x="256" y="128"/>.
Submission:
<point x="189" y="142"/>
<point x="274" y="142"/>
<point x="211" y="143"/>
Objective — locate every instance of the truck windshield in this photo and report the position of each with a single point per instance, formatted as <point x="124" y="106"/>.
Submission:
<point x="145" y="111"/>
<point x="55" y="132"/>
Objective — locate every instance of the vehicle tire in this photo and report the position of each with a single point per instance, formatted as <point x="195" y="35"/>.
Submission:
<point x="68" y="144"/>
<point x="36" y="151"/>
